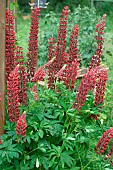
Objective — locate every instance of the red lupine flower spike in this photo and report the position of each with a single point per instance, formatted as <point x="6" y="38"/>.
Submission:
<point x="88" y="83"/>
<point x="13" y="95"/>
<point x="51" y="54"/>
<point x="22" y="76"/>
<point x="101" y="86"/>
<point x="60" y="49"/>
<point x="21" y="125"/>
<point x="73" y="49"/>
<point x="96" y="58"/>
<point x="10" y="43"/>
<point x="33" y="43"/>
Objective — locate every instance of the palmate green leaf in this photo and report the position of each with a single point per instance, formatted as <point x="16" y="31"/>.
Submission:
<point x="4" y="153"/>
<point x="56" y="130"/>
<point x="51" y="153"/>
<point x="62" y="103"/>
<point x="13" y="154"/>
<point x="44" y="161"/>
<point x="51" y="162"/>
<point x="57" y="149"/>
<point x="10" y="155"/>
<point x="42" y="149"/>
<point x="41" y="133"/>
<point x="16" y="164"/>
<point x="32" y="161"/>
<point x="49" y="116"/>
<point x="68" y="145"/>
<point x="6" y="144"/>
<point x="24" y="165"/>
<point x="8" y="168"/>
<point x="28" y="139"/>
<point x="66" y="159"/>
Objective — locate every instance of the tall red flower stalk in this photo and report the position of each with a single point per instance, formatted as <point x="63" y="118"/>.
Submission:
<point x="96" y="58"/>
<point x="73" y="48"/>
<point x="33" y="43"/>
<point x="13" y="95"/>
<point x="88" y="83"/>
<point x="22" y="76"/>
<point x="61" y="44"/>
<point x="51" y="54"/>
<point x="21" y="125"/>
<point x="10" y="43"/>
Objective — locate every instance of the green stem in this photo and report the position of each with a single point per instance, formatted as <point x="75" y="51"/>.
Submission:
<point x="87" y="165"/>
<point x="32" y="151"/>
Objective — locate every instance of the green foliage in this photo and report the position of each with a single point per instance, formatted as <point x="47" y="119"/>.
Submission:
<point x="24" y="6"/>
<point x="86" y="18"/>
<point x="57" y="136"/>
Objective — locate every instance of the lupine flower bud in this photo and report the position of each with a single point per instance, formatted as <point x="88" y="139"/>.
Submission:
<point x="21" y="125"/>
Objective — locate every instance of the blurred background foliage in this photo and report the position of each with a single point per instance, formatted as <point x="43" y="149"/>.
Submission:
<point x="57" y="5"/>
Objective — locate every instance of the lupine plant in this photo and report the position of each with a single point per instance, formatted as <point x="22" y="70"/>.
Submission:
<point x="52" y="126"/>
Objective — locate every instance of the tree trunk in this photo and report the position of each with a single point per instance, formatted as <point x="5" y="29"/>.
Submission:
<point x="2" y="64"/>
